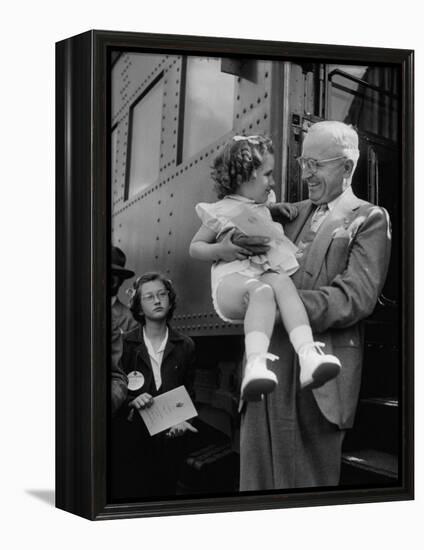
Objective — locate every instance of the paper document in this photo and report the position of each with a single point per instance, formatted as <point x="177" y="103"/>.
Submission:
<point x="168" y="409"/>
<point x="254" y="225"/>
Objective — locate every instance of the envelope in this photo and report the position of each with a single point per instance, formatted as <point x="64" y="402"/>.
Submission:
<point x="168" y="409"/>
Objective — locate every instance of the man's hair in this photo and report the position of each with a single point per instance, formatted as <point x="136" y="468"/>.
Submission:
<point x="342" y="138"/>
<point x="236" y="162"/>
<point x="135" y="302"/>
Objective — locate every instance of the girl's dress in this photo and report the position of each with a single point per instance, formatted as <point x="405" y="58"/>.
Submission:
<point x="253" y="219"/>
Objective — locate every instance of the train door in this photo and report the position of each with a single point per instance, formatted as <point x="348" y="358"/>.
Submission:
<point x="365" y="97"/>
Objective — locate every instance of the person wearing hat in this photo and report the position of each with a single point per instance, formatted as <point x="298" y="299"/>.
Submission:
<point x="122" y="322"/>
<point x="122" y="318"/>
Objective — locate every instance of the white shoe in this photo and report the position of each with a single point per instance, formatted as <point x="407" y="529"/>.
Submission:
<point x="316" y="367"/>
<point x="258" y="380"/>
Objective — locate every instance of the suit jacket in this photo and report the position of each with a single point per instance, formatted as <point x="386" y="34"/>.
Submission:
<point x="177" y="366"/>
<point x="142" y="465"/>
<point x="340" y="278"/>
<point x="122" y="322"/>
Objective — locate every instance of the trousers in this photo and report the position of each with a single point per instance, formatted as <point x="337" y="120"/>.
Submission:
<point x="285" y="440"/>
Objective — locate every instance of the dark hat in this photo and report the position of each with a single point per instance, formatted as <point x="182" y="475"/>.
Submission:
<point x="118" y="264"/>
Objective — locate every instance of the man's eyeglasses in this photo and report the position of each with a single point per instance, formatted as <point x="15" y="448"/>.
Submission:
<point x="151" y="296"/>
<point x="313" y="164"/>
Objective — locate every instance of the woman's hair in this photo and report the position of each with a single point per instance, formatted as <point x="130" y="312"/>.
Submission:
<point x="236" y="162"/>
<point x="135" y="295"/>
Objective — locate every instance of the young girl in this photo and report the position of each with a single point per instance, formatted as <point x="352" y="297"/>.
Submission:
<point x="249" y="289"/>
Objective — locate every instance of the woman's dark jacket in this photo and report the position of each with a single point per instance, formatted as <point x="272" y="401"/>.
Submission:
<point x="144" y="465"/>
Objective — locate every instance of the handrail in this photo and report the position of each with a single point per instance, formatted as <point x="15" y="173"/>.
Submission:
<point x="361" y="82"/>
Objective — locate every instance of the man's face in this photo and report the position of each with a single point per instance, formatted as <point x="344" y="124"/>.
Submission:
<point x="326" y="183"/>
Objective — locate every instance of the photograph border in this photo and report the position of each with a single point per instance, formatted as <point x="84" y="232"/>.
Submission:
<point x="83" y="224"/>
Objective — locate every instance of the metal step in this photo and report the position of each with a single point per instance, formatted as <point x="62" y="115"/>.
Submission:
<point x="383" y="401"/>
<point x="376" y="426"/>
<point x="369" y="465"/>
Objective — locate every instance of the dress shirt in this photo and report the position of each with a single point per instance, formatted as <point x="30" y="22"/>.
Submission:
<point x="156" y="356"/>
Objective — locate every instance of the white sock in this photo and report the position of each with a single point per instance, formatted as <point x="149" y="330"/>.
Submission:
<point x="256" y="342"/>
<point x="301" y="335"/>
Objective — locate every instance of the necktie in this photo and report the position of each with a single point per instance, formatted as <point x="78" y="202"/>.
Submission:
<point x="317" y="219"/>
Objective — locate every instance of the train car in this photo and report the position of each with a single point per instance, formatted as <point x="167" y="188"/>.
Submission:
<point x="170" y="116"/>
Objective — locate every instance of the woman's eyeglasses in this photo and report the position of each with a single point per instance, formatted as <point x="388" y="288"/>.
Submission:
<point x="151" y="296"/>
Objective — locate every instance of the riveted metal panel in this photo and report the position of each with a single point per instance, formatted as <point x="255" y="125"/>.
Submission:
<point x="133" y="73"/>
<point x="253" y="102"/>
<point x="155" y="227"/>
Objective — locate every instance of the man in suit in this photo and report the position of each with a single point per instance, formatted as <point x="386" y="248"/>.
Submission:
<point x="122" y="322"/>
<point x="294" y="438"/>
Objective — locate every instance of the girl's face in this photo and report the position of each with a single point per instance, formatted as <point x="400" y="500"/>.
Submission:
<point x="154" y="300"/>
<point x="261" y="182"/>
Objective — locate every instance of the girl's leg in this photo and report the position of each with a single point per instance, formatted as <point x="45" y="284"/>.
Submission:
<point x="316" y="368"/>
<point x="253" y="301"/>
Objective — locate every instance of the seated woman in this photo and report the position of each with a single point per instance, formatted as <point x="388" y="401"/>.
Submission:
<point x="156" y="358"/>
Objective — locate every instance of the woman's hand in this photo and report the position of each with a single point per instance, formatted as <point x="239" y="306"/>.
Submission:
<point x="180" y="429"/>
<point x="141" y="401"/>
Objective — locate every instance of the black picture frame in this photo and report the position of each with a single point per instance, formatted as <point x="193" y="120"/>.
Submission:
<point x="82" y="259"/>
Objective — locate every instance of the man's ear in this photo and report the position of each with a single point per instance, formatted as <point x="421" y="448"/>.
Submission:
<point x="348" y="167"/>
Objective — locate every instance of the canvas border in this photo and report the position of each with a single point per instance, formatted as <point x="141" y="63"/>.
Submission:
<point x="82" y="259"/>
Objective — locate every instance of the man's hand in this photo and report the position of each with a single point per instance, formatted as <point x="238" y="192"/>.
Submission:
<point x="141" y="401"/>
<point x="180" y="429"/>
<point x="229" y="250"/>
<point x="283" y="209"/>
<point x="255" y="245"/>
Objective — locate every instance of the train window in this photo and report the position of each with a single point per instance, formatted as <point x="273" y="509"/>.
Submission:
<point x="364" y="96"/>
<point x="145" y="135"/>
<point x="208" y="104"/>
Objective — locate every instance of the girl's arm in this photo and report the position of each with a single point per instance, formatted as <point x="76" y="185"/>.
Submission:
<point x="204" y="247"/>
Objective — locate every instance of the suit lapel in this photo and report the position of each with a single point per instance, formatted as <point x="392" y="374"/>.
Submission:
<point x="342" y="215"/>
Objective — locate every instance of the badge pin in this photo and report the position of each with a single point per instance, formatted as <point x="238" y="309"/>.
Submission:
<point x="135" y="380"/>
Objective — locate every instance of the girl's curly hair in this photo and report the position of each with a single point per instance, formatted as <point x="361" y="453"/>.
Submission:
<point x="236" y="162"/>
<point x="135" y="295"/>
